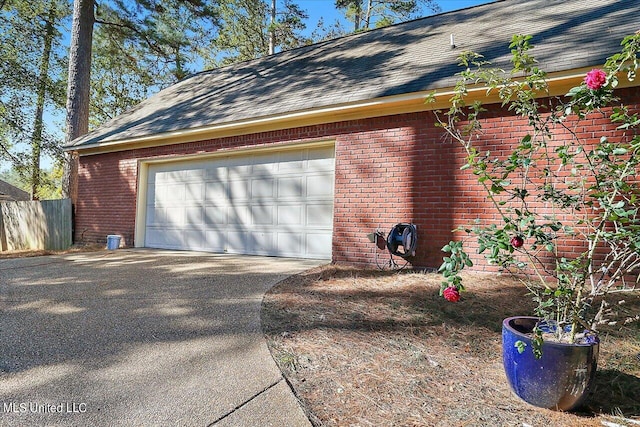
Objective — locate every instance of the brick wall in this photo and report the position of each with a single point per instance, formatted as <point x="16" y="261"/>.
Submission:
<point x="388" y="170"/>
<point x="106" y="197"/>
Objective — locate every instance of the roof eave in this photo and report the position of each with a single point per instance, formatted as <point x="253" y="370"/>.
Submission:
<point x="559" y="84"/>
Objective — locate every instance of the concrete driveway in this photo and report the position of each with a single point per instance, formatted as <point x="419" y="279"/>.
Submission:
<point x="140" y="338"/>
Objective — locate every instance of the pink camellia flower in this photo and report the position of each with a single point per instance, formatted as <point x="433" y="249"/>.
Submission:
<point x="451" y="294"/>
<point x="595" y="79"/>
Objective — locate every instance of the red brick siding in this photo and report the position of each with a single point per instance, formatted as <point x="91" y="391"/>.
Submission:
<point x="106" y="197"/>
<point x="388" y="169"/>
<point x="502" y="129"/>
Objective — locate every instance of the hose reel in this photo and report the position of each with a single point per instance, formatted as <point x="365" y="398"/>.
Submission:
<point x="403" y="235"/>
<point x="401" y="241"/>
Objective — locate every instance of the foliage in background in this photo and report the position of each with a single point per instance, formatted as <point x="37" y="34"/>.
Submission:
<point x="245" y="26"/>
<point x="32" y="81"/>
<point x="548" y="191"/>
<point x="139" y="47"/>
<point x="367" y="14"/>
<point x="50" y="182"/>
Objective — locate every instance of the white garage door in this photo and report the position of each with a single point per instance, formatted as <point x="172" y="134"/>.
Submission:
<point x="278" y="203"/>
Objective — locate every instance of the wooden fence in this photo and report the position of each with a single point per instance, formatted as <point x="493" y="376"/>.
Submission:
<point x="42" y="224"/>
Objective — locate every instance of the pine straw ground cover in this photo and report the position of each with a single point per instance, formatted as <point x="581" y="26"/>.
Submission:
<point x="378" y="348"/>
<point x="44" y="252"/>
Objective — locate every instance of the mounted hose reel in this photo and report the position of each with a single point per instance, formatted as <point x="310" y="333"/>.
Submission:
<point x="403" y="235"/>
<point x="401" y="241"/>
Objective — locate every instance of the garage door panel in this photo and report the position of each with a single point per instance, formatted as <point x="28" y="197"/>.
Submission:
<point x="292" y="161"/>
<point x="193" y="175"/>
<point x="169" y="177"/>
<point x="215" y="173"/>
<point x="262" y="215"/>
<point x="193" y="191"/>
<point x="319" y="215"/>
<point x="320" y="161"/>
<point x="290" y="244"/>
<point x="317" y="185"/>
<point x="215" y="240"/>
<point x="215" y="191"/>
<point x="194" y="239"/>
<point x="174" y="238"/>
<point x="239" y="190"/>
<point x="194" y="215"/>
<point x="153" y="237"/>
<point x="289" y="215"/>
<point x="266" y="168"/>
<point x="166" y="237"/>
<point x="159" y="194"/>
<point x="175" y="216"/>
<point x="215" y="215"/>
<point x="236" y="242"/>
<point x="322" y="154"/>
<point x="290" y="188"/>
<point x="238" y="168"/>
<point x="262" y="242"/>
<point x="239" y="215"/>
<point x="318" y="245"/>
<point x="151" y="192"/>
<point x="162" y="178"/>
<point x="153" y="216"/>
<point x="277" y="203"/>
<point x="172" y="193"/>
<point x="262" y="188"/>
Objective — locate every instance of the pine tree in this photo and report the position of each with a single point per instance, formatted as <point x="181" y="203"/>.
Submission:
<point x="30" y="78"/>
<point x="153" y="41"/>
<point x="366" y="14"/>
<point x="246" y="30"/>
<point x="78" y="88"/>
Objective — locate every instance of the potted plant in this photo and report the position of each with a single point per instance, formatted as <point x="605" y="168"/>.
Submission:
<point x="567" y="204"/>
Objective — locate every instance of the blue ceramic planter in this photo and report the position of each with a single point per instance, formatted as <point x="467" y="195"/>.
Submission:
<point x="559" y="380"/>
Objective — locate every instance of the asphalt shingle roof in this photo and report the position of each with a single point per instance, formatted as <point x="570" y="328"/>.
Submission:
<point x="9" y="192"/>
<point x="404" y="58"/>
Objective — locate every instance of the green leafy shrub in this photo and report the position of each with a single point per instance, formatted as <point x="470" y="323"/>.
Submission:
<point x="556" y="184"/>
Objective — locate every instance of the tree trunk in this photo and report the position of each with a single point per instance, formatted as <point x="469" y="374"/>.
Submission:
<point x="367" y="18"/>
<point x="77" y="121"/>
<point x="36" y="139"/>
<point x="357" y="18"/>
<point x="272" y="29"/>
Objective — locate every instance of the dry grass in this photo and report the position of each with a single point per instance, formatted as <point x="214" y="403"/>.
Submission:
<point x="377" y="348"/>
<point x="42" y="252"/>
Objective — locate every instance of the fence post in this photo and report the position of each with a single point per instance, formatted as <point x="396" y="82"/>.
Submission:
<point x="3" y="237"/>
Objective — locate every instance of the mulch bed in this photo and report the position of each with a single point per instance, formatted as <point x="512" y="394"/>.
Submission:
<point x="371" y="348"/>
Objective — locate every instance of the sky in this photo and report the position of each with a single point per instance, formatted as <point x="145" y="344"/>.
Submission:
<point x="324" y="8"/>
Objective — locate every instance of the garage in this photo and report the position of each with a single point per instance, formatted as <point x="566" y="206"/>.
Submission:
<point x="277" y="203"/>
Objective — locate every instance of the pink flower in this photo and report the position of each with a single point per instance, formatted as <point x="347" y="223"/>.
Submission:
<point x="595" y="79"/>
<point x="451" y="294"/>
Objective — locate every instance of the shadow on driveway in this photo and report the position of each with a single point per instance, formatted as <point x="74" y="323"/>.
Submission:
<point x="139" y="337"/>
